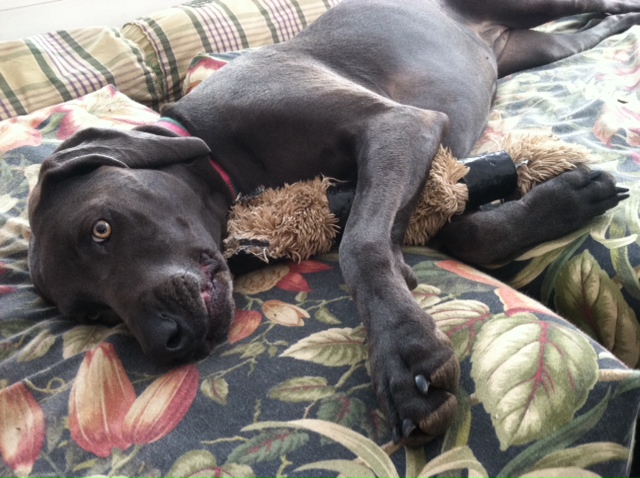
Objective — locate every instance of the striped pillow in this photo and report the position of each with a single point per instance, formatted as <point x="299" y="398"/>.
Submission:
<point x="55" y="67"/>
<point x="172" y="37"/>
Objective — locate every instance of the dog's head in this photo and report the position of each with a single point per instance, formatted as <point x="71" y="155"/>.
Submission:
<point x="126" y="225"/>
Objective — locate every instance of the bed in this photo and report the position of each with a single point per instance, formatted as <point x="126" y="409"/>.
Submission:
<point x="549" y="343"/>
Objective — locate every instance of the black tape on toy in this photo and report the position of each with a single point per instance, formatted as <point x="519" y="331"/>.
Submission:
<point x="341" y="196"/>
<point x="490" y="177"/>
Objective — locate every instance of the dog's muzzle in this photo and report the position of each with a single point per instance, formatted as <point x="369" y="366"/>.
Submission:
<point x="187" y="314"/>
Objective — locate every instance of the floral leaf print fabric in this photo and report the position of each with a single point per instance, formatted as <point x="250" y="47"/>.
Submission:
<point x="590" y="99"/>
<point x="587" y="296"/>
<point x="288" y="392"/>
<point x="531" y="376"/>
<point x="333" y="347"/>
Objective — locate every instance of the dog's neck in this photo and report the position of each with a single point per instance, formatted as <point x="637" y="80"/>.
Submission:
<point x="206" y="172"/>
<point x="176" y="127"/>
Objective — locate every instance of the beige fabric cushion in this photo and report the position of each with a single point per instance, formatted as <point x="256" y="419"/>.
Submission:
<point x="55" y="67"/>
<point x="172" y="37"/>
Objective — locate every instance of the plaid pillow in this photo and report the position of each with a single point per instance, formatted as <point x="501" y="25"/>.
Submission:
<point x="172" y="37"/>
<point x="55" y="67"/>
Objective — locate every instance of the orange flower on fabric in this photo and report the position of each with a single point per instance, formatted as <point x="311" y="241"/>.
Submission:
<point x="245" y="323"/>
<point x="468" y="273"/>
<point x="97" y="109"/>
<point x="16" y="133"/>
<point x="294" y="281"/>
<point x="161" y="406"/>
<point x="104" y="412"/>
<point x="516" y="302"/>
<point x="22" y="428"/>
<point x="284" y="314"/>
<point x="100" y="398"/>
<point x="5" y="289"/>
<point x="617" y="120"/>
<point x="204" y="67"/>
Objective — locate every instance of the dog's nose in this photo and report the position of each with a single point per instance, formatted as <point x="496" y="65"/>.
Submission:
<point x="172" y="339"/>
<point x="172" y="335"/>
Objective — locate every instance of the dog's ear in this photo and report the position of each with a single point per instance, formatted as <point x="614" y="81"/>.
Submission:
<point x="145" y="147"/>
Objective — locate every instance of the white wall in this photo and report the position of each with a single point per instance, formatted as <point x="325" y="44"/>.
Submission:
<point x="21" y="18"/>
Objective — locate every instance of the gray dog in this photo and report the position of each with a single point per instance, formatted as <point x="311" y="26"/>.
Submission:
<point x="128" y="224"/>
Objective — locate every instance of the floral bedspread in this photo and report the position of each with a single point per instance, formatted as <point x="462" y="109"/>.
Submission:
<point x="288" y="393"/>
<point x="591" y="276"/>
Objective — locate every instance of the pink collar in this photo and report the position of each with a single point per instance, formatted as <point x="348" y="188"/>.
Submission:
<point x="176" y="127"/>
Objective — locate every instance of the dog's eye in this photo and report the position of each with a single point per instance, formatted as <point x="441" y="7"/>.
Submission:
<point x="101" y="231"/>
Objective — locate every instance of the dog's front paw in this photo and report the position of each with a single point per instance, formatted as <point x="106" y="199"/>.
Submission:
<point x="415" y="377"/>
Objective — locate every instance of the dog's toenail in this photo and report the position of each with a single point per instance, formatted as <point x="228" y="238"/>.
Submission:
<point x="422" y="384"/>
<point x="407" y="427"/>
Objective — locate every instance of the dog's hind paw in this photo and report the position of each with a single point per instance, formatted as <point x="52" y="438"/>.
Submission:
<point x="569" y="201"/>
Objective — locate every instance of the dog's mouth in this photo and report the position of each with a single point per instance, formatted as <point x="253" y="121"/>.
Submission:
<point x="186" y="315"/>
<point x="216" y="294"/>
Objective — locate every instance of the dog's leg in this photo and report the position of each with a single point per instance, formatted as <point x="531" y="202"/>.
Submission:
<point x="523" y="14"/>
<point x="529" y="48"/>
<point x="551" y="210"/>
<point x="414" y="370"/>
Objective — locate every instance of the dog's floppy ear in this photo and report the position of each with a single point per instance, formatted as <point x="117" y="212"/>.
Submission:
<point x="145" y="147"/>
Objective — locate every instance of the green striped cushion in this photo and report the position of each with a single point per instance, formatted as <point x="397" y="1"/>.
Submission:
<point x="52" y="68"/>
<point x="172" y="37"/>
